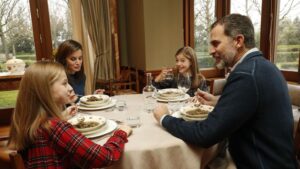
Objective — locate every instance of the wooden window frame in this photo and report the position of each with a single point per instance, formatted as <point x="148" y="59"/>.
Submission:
<point x="41" y="29"/>
<point x="269" y="20"/>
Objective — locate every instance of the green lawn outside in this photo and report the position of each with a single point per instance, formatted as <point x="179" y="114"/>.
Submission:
<point x="8" y="98"/>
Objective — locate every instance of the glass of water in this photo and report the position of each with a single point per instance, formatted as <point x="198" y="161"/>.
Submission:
<point x="120" y="105"/>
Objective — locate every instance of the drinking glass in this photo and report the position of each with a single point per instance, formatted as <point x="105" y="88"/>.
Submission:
<point x="169" y="75"/>
<point x="184" y="82"/>
<point x="120" y="105"/>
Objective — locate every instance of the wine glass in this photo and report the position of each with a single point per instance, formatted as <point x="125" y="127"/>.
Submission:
<point x="184" y="82"/>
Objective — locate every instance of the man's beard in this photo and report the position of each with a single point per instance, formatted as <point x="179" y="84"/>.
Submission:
<point x="220" y="65"/>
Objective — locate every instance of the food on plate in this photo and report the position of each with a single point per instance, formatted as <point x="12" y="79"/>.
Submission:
<point x="198" y="110"/>
<point x="86" y="124"/>
<point x="93" y="98"/>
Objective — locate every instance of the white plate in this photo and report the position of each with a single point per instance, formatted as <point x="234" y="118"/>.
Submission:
<point x="179" y="115"/>
<point x="111" y="104"/>
<point x="170" y="93"/>
<point x="205" y="112"/>
<point x="185" y="97"/>
<point x="109" y="127"/>
<point x="103" y="98"/>
<point x="82" y="104"/>
<point x="87" y="118"/>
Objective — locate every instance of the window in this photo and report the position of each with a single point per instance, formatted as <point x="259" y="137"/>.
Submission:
<point x="253" y="10"/>
<point x="276" y="26"/>
<point x="288" y="36"/>
<point x="27" y="35"/>
<point x="16" y="33"/>
<point x="204" y="16"/>
<point x="60" y="21"/>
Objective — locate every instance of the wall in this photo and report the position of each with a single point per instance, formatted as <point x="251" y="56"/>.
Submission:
<point x="154" y="32"/>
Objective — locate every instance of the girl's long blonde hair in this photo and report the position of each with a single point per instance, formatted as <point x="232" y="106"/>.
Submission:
<point x="190" y="54"/>
<point x="35" y="103"/>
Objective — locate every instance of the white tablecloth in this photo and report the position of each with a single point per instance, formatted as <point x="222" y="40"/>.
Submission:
<point x="150" y="146"/>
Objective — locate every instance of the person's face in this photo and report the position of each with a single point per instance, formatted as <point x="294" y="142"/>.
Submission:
<point x="74" y="62"/>
<point x="182" y="64"/>
<point x="62" y="91"/>
<point x="222" y="47"/>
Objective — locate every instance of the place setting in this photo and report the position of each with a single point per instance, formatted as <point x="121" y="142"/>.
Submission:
<point x="193" y="112"/>
<point x="93" y="126"/>
<point x="170" y="94"/>
<point x="96" y="102"/>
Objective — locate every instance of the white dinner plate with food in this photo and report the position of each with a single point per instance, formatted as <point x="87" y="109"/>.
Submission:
<point x="108" y="101"/>
<point x="87" y="123"/>
<point x="182" y="98"/>
<point x="109" y="126"/>
<point x="170" y="93"/>
<point x="94" y="99"/>
<point x="111" y="104"/>
<point x="200" y="111"/>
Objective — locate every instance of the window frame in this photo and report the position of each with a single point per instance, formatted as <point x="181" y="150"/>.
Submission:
<point x="41" y="29"/>
<point x="269" y="20"/>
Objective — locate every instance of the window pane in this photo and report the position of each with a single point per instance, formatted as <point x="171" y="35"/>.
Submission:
<point x="16" y="37"/>
<point x="252" y="9"/>
<point x="60" y="21"/>
<point x="288" y="40"/>
<point x="204" y="12"/>
<point x="16" y="40"/>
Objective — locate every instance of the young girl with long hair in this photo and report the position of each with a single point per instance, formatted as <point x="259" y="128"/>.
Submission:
<point x="186" y="65"/>
<point x="40" y="133"/>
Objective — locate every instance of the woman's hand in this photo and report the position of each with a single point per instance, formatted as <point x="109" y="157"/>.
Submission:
<point x="126" y="129"/>
<point x="99" y="91"/>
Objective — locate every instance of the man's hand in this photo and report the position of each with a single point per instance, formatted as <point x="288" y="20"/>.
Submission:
<point x="206" y="98"/>
<point x="159" y="111"/>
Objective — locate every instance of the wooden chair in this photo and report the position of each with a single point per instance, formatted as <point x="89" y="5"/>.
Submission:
<point x="16" y="160"/>
<point x="5" y="120"/>
<point x="127" y="83"/>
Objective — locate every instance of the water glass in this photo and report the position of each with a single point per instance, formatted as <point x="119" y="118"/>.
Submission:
<point x="169" y="75"/>
<point x="133" y="119"/>
<point x="150" y="103"/>
<point x="120" y="105"/>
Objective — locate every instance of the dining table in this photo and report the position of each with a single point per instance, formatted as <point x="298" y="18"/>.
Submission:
<point x="150" y="145"/>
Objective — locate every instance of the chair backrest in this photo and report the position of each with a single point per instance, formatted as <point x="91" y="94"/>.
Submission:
<point x="126" y="82"/>
<point x="6" y="114"/>
<point x="16" y="160"/>
<point x="294" y="92"/>
<point x="216" y="86"/>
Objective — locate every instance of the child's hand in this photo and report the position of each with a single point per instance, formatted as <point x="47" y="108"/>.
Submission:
<point x="126" y="129"/>
<point x="72" y="110"/>
<point x="99" y="91"/>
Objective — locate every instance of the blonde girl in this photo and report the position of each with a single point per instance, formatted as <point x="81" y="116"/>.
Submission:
<point x="43" y="137"/>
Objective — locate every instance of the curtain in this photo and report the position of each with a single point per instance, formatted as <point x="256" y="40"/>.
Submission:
<point x="96" y="13"/>
<point x="80" y="34"/>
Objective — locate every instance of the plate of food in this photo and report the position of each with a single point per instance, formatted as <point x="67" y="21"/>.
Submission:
<point x="171" y="94"/>
<point x="94" y="99"/>
<point x="194" y="112"/>
<point x="109" y="126"/>
<point x="87" y="123"/>
<point x="104" y="103"/>
<point x="108" y="105"/>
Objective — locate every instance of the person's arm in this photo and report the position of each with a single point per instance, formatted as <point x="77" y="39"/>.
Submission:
<point x="237" y="104"/>
<point x="84" y="152"/>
